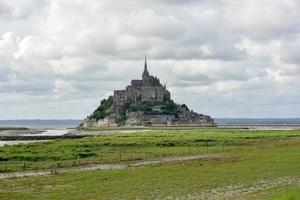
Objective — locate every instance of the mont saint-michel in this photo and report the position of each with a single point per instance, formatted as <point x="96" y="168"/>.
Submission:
<point x="145" y="102"/>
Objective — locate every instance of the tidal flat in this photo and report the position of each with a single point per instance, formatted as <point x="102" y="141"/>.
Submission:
<point x="257" y="164"/>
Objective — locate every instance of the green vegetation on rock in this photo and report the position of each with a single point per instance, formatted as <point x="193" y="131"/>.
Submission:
<point x="101" y="111"/>
<point x="167" y="107"/>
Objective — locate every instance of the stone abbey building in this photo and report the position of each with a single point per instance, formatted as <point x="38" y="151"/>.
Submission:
<point x="144" y="102"/>
<point x="149" y="89"/>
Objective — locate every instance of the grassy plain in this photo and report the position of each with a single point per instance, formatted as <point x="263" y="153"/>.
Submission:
<point x="12" y="128"/>
<point x="134" y="146"/>
<point x="258" y="155"/>
<point x="293" y="194"/>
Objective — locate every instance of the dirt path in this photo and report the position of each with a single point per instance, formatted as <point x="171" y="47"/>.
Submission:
<point x="234" y="191"/>
<point x="239" y="191"/>
<point x="113" y="166"/>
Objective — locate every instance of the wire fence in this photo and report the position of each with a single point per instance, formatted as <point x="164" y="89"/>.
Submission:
<point x="119" y="155"/>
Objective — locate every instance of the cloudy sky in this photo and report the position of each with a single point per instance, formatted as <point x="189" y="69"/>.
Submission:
<point x="225" y="58"/>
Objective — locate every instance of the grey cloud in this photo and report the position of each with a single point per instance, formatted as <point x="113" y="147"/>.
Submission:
<point x="20" y="10"/>
<point x="210" y="53"/>
<point x="4" y="11"/>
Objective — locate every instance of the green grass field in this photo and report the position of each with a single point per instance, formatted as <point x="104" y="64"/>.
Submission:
<point x="291" y="195"/>
<point x="12" y="128"/>
<point x="254" y="158"/>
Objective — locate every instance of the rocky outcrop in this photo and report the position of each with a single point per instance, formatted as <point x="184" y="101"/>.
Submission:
<point x="144" y="102"/>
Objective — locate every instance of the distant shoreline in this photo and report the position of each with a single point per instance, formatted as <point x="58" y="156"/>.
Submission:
<point x="73" y="123"/>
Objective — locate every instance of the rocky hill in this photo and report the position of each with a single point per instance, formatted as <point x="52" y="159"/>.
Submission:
<point x="144" y="102"/>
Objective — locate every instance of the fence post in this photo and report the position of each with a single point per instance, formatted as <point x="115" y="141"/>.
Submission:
<point x="120" y="156"/>
<point x="78" y="159"/>
<point x="206" y="147"/>
<point x="24" y="165"/>
<point x="5" y="166"/>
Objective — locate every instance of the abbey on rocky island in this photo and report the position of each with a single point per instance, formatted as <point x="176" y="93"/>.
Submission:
<point x="144" y="102"/>
<point x="149" y="89"/>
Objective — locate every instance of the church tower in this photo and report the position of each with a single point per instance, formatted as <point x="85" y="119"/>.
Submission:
<point x="145" y="73"/>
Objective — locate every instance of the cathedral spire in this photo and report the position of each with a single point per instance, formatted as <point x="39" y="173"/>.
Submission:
<point x="145" y="73"/>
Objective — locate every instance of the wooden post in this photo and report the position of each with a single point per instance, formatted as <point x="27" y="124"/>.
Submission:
<point x="5" y="166"/>
<point x="120" y="156"/>
<point x="24" y="165"/>
<point x="78" y="159"/>
<point x="206" y="147"/>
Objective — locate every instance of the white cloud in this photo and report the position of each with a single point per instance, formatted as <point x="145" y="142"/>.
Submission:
<point x="62" y="89"/>
<point x="147" y="22"/>
<point x="8" y="44"/>
<point x="210" y="53"/>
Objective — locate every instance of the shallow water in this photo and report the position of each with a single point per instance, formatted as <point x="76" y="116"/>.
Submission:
<point x="261" y="126"/>
<point x="2" y="143"/>
<point x="45" y="132"/>
<point x="49" y="132"/>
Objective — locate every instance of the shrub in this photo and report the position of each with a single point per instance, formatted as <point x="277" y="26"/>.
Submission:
<point x="101" y="111"/>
